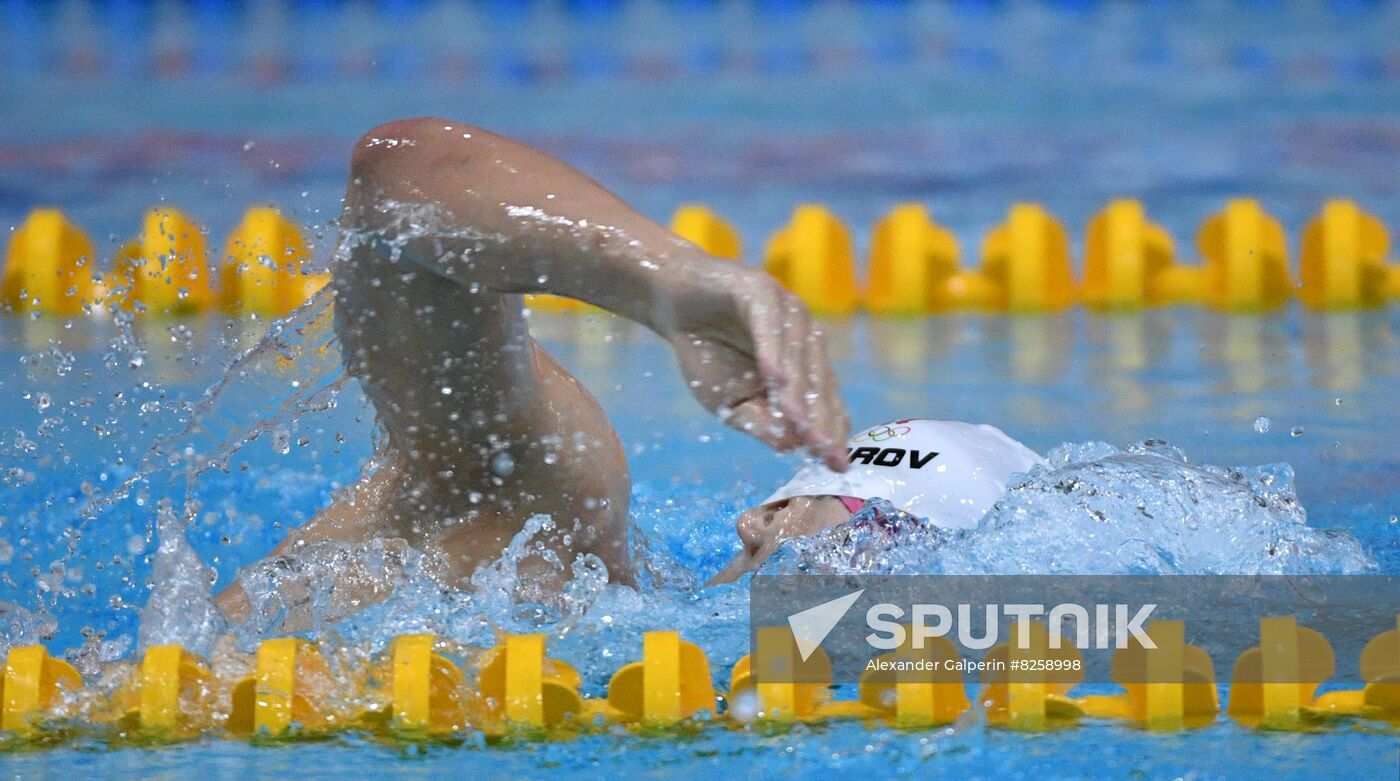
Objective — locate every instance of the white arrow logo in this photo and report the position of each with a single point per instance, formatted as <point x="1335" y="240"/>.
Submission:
<point x="811" y="626"/>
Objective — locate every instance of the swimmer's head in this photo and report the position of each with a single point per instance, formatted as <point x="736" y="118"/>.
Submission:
<point x="947" y="472"/>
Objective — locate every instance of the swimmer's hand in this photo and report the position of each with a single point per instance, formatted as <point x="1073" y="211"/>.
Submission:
<point x="751" y="354"/>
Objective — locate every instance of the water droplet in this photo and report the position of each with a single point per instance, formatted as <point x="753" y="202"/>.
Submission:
<point x="502" y="464"/>
<point x="282" y="440"/>
<point x="1296" y="431"/>
<point x="1261" y="424"/>
<point x="744" y="707"/>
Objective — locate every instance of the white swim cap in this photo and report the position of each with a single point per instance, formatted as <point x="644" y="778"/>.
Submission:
<point x="950" y="473"/>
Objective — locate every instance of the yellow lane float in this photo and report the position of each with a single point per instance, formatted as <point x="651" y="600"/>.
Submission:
<point x="49" y="267"/>
<point x="1274" y="684"/>
<point x="702" y="227"/>
<point x="1169" y="688"/>
<point x="415" y="690"/>
<point x="31" y="684"/>
<point x="166" y="269"/>
<point x="264" y="266"/>
<point x="916" y="687"/>
<point x="775" y="684"/>
<point x="1027" y="682"/>
<point x="1380" y="698"/>
<point x="1343" y="259"/>
<point x="670" y="684"/>
<point x="1380" y="668"/>
<point x="912" y="261"/>
<point x="1129" y="264"/>
<point x="426" y="690"/>
<point x="521" y="687"/>
<point x="812" y="256"/>
<point x="170" y="694"/>
<point x="287" y="693"/>
<point x="1026" y="261"/>
<point x="544" y="302"/>
<point x="1245" y="257"/>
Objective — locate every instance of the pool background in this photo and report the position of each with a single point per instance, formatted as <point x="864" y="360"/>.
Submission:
<point x="752" y="109"/>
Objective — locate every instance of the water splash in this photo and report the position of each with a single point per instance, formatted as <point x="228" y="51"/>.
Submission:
<point x="555" y="595"/>
<point x="319" y="583"/>
<point x="1096" y="509"/>
<point x="181" y="607"/>
<point x="293" y="370"/>
<point x="22" y="627"/>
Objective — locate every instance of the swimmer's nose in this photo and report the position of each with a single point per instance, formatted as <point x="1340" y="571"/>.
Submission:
<point x="756" y="525"/>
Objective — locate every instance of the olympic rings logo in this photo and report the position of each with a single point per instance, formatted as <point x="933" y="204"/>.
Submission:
<point x="882" y="433"/>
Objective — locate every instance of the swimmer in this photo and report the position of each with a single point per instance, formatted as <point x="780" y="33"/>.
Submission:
<point x="946" y="473"/>
<point x="445" y="227"/>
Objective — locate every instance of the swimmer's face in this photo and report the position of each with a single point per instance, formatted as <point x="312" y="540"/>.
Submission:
<point x="764" y="527"/>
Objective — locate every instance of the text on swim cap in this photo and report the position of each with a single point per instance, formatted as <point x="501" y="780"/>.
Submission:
<point x="889" y="456"/>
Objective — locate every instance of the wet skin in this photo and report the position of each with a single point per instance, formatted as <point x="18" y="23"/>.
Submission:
<point x="445" y="227"/>
<point x="762" y="529"/>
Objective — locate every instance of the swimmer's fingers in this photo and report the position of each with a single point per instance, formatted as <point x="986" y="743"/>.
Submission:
<point x="759" y="418"/>
<point x="762" y="413"/>
<point x="820" y="415"/>
<point x="831" y="426"/>
<point x="767" y="316"/>
<point x="725" y="380"/>
<point x="790" y="352"/>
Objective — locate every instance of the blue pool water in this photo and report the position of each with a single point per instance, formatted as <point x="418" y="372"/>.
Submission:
<point x="965" y="107"/>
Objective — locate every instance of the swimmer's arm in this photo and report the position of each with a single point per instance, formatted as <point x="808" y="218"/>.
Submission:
<point x="527" y="223"/>
<point x="513" y="220"/>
